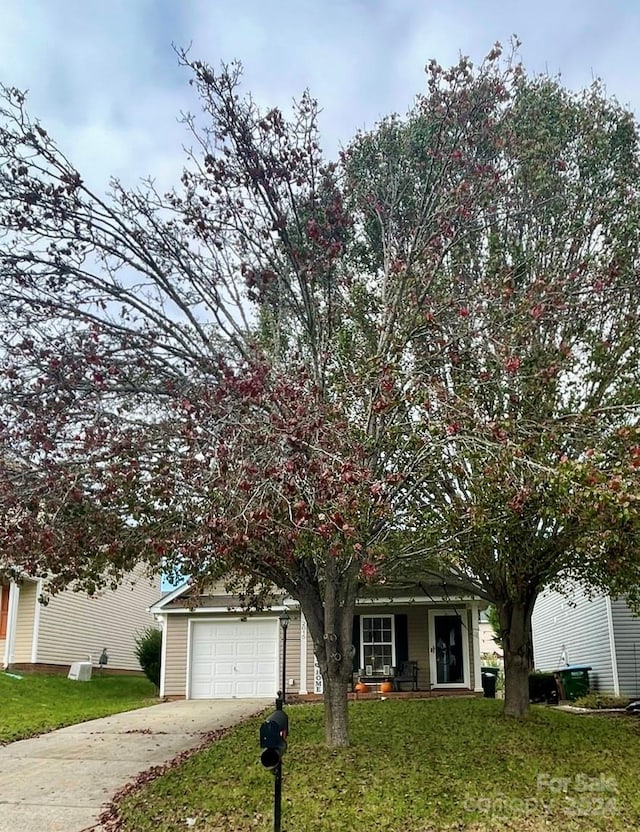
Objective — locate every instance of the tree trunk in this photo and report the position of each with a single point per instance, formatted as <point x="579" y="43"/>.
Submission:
<point x="330" y="622"/>
<point x="335" y="661"/>
<point x="336" y="727"/>
<point x="515" y="623"/>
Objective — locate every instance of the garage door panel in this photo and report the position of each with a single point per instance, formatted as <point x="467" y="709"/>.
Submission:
<point x="222" y="651"/>
<point x="245" y="689"/>
<point x="246" y="668"/>
<point x="203" y="648"/>
<point x="222" y="668"/>
<point x="221" y="690"/>
<point x="233" y="659"/>
<point x="264" y="688"/>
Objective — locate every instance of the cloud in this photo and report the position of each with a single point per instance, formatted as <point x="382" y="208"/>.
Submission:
<point x="105" y="80"/>
<point x="102" y="78"/>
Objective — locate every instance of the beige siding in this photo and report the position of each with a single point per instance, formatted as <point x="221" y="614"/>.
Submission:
<point x="175" y="671"/>
<point x="293" y="654"/>
<point x="310" y="662"/>
<point x="418" y="638"/>
<point x="24" y="622"/>
<point x="74" y="626"/>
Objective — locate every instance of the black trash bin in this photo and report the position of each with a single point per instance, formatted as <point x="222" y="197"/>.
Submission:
<point x="489" y="681"/>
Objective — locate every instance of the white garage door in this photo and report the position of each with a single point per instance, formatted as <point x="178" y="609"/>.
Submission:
<point x="233" y="658"/>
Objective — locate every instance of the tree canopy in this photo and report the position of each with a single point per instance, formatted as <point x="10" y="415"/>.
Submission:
<point x="318" y="375"/>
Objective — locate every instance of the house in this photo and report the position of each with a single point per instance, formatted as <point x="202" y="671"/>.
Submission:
<point x="574" y="628"/>
<point x="213" y="649"/>
<point x="73" y="625"/>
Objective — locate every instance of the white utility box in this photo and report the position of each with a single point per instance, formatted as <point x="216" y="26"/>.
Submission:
<point x="80" y="671"/>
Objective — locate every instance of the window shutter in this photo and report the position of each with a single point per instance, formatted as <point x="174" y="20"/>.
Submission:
<point x="4" y="610"/>
<point x="356" y="643"/>
<point x="402" y="639"/>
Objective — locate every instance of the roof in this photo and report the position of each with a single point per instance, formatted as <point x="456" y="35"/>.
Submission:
<point x="388" y="593"/>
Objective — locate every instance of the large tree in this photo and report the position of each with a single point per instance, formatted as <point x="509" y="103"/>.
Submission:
<point x="526" y="342"/>
<point x="311" y="375"/>
<point x="204" y="379"/>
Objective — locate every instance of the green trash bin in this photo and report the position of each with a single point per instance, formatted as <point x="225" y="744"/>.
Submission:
<point x="573" y="681"/>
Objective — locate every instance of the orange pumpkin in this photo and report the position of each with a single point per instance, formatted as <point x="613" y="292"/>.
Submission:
<point x="386" y="687"/>
<point x="361" y="688"/>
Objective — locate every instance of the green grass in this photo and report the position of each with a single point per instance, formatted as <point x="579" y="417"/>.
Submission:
<point x="443" y="764"/>
<point x="35" y="704"/>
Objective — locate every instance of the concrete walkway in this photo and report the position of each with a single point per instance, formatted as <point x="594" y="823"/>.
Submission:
<point x="59" y="782"/>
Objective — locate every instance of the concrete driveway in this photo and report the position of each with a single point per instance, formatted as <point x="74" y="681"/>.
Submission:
<point x="59" y="782"/>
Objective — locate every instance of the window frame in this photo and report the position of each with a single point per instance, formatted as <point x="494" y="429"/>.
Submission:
<point x="392" y="643"/>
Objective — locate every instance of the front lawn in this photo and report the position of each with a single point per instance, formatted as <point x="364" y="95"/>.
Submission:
<point x="413" y="766"/>
<point x="34" y="704"/>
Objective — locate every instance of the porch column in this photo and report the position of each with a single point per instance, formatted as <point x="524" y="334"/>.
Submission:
<point x="162" y="621"/>
<point x="12" y="618"/>
<point x="36" y="623"/>
<point x="475" y="637"/>
<point x="304" y="636"/>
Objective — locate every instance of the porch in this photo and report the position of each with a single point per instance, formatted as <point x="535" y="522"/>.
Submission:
<point x="417" y="647"/>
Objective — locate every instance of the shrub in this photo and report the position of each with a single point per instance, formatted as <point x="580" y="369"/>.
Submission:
<point x="542" y="687"/>
<point x="148" y="652"/>
<point x="595" y="701"/>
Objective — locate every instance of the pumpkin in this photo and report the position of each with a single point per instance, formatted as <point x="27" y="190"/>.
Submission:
<point x="386" y="687"/>
<point x="361" y="688"/>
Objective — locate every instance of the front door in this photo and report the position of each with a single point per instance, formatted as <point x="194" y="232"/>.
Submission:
<point x="449" y="649"/>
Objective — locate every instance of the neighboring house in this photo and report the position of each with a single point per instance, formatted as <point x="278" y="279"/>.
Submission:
<point x="212" y="649"/>
<point x="600" y="632"/>
<point x="73" y="625"/>
<point x="488" y="645"/>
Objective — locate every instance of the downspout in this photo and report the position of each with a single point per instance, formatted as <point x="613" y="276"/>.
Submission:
<point x="612" y="646"/>
<point x="12" y="619"/>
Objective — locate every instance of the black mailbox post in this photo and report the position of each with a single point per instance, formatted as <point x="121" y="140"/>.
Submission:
<point x="273" y="740"/>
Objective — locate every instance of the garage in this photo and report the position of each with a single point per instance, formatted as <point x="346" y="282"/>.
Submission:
<point x="233" y="658"/>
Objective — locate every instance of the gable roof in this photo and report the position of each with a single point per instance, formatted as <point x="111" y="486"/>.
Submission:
<point x="169" y="597"/>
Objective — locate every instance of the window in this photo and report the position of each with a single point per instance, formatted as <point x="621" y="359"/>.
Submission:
<point x="377" y="644"/>
<point x="4" y="610"/>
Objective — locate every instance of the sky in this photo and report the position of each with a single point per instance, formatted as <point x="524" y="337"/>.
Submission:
<point x="104" y="80"/>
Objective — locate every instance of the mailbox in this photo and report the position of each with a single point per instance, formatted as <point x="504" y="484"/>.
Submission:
<point x="273" y="738"/>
